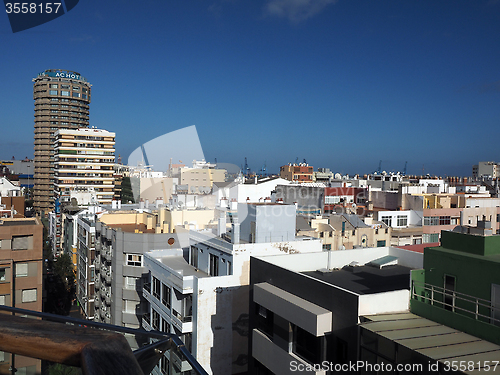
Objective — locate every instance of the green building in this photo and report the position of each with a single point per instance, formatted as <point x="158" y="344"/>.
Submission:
<point x="460" y="284"/>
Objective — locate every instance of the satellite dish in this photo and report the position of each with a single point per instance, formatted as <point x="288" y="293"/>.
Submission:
<point x="338" y="176"/>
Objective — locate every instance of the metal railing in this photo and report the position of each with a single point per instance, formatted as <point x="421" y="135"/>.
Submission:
<point x="96" y="348"/>
<point x="478" y="308"/>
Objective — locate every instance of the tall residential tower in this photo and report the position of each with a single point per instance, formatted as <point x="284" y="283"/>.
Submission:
<point x="62" y="101"/>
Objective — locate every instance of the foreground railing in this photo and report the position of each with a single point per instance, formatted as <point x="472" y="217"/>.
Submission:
<point x="96" y="348"/>
<point x="478" y="308"/>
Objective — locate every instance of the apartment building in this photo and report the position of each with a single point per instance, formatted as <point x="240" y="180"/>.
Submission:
<point x="21" y="275"/>
<point x="301" y="172"/>
<point x="84" y="159"/>
<point x="121" y="239"/>
<point x="62" y="101"/>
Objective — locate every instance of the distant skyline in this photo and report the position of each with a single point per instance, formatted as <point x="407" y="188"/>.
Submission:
<point x="340" y="83"/>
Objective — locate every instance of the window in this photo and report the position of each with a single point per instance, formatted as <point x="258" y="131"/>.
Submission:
<point x="130" y="282"/>
<point x="264" y="320"/>
<point x="165" y="365"/>
<point x="76" y="94"/>
<point x="2" y="274"/>
<point x="3" y="300"/>
<point x="229" y="267"/>
<point x="165" y="326"/>
<point x="194" y="256"/>
<point x="402" y="221"/>
<point x="130" y="306"/>
<point x="21" y="269"/>
<point x="53" y="86"/>
<point x="166" y="295"/>
<point x="29" y="295"/>
<point x="430" y="237"/>
<point x="155" y="320"/>
<point x="156" y="287"/>
<point x="214" y="265"/>
<point x="53" y="92"/>
<point x="65" y="87"/>
<point x="431" y="220"/>
<point x="306" y="345"/>
<point x="381" y="243"/>
<point x="387" y="220"/>
<point x="330" y="199"/>
<point x="444" y="220"/>
<point x="134" y="260"/>
<point x="65" y="93"/>
<point x="21" y="242"/>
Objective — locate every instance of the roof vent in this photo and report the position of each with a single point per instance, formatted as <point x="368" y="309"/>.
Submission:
<point x="385" y="261"/>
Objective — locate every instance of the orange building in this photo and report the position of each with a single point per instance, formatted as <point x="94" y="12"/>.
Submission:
<point x="297" y="172"/>
<point x="21" y="266"/>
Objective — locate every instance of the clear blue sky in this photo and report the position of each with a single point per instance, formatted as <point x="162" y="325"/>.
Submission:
<point x="342" y="84"/>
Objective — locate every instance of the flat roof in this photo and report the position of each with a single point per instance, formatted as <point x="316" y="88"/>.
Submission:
<point x="435" y="341"/>
<point x="20" y="221"/>
<point x="366" y="279"/>
<point x="179" y="264"/>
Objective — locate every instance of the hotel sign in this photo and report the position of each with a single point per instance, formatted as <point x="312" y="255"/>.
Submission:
<point x="63" y="74"/>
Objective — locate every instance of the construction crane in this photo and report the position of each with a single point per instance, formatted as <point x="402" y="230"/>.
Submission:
<point x="246" y="168"/>
<point x="263" y="170"/>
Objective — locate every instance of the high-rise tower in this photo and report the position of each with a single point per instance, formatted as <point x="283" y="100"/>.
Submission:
<point x="62" y="100"/>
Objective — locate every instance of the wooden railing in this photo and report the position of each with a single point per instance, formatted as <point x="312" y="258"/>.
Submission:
<point x="94" y="347"/>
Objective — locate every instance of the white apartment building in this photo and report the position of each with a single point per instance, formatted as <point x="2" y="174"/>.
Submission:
<point x="84" y="160"/>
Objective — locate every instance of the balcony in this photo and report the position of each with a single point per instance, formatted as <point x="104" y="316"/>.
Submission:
<point x="470" y="314"/>
<point x="96" y="348"/>
<point x="108" y="277"/>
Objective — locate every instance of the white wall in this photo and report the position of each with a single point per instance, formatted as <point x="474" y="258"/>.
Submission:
<point x="387" y="302"/>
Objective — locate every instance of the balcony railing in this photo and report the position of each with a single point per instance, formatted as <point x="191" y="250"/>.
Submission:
<point x="95" y="347"/>
<point x="474" y="307"/>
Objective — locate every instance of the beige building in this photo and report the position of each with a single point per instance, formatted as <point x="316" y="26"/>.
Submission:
<point x="161" y="221"/>
<point x="21" y="254"/>
<point x="61" y="102"/>
<point x="84" y="160"/>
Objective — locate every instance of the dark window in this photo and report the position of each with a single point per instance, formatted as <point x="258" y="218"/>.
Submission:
<point x="264" y="320"/>
<point x="306" y="345"/>
<point x="449" y="292"/>
<point x="156" y="287"/>
<point x="214" y="265"/>
<point x="165" y="296"/>
<point x="194" y="256"/>
<point x="381" y="243"/>
<point x="155" y="320"/>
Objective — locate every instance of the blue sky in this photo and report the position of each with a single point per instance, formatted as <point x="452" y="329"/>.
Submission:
<point x="342" y="84"/>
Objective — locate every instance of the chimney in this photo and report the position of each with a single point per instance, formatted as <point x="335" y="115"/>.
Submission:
<point x="119" y="205"/>
<point x="221" y="227"/>
<point x="235" y="238"/>
<point x="147" y="203"/>
<point x="114" y="204"/>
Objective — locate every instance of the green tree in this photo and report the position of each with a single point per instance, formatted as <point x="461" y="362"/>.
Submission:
<point x="127" y="194"/>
